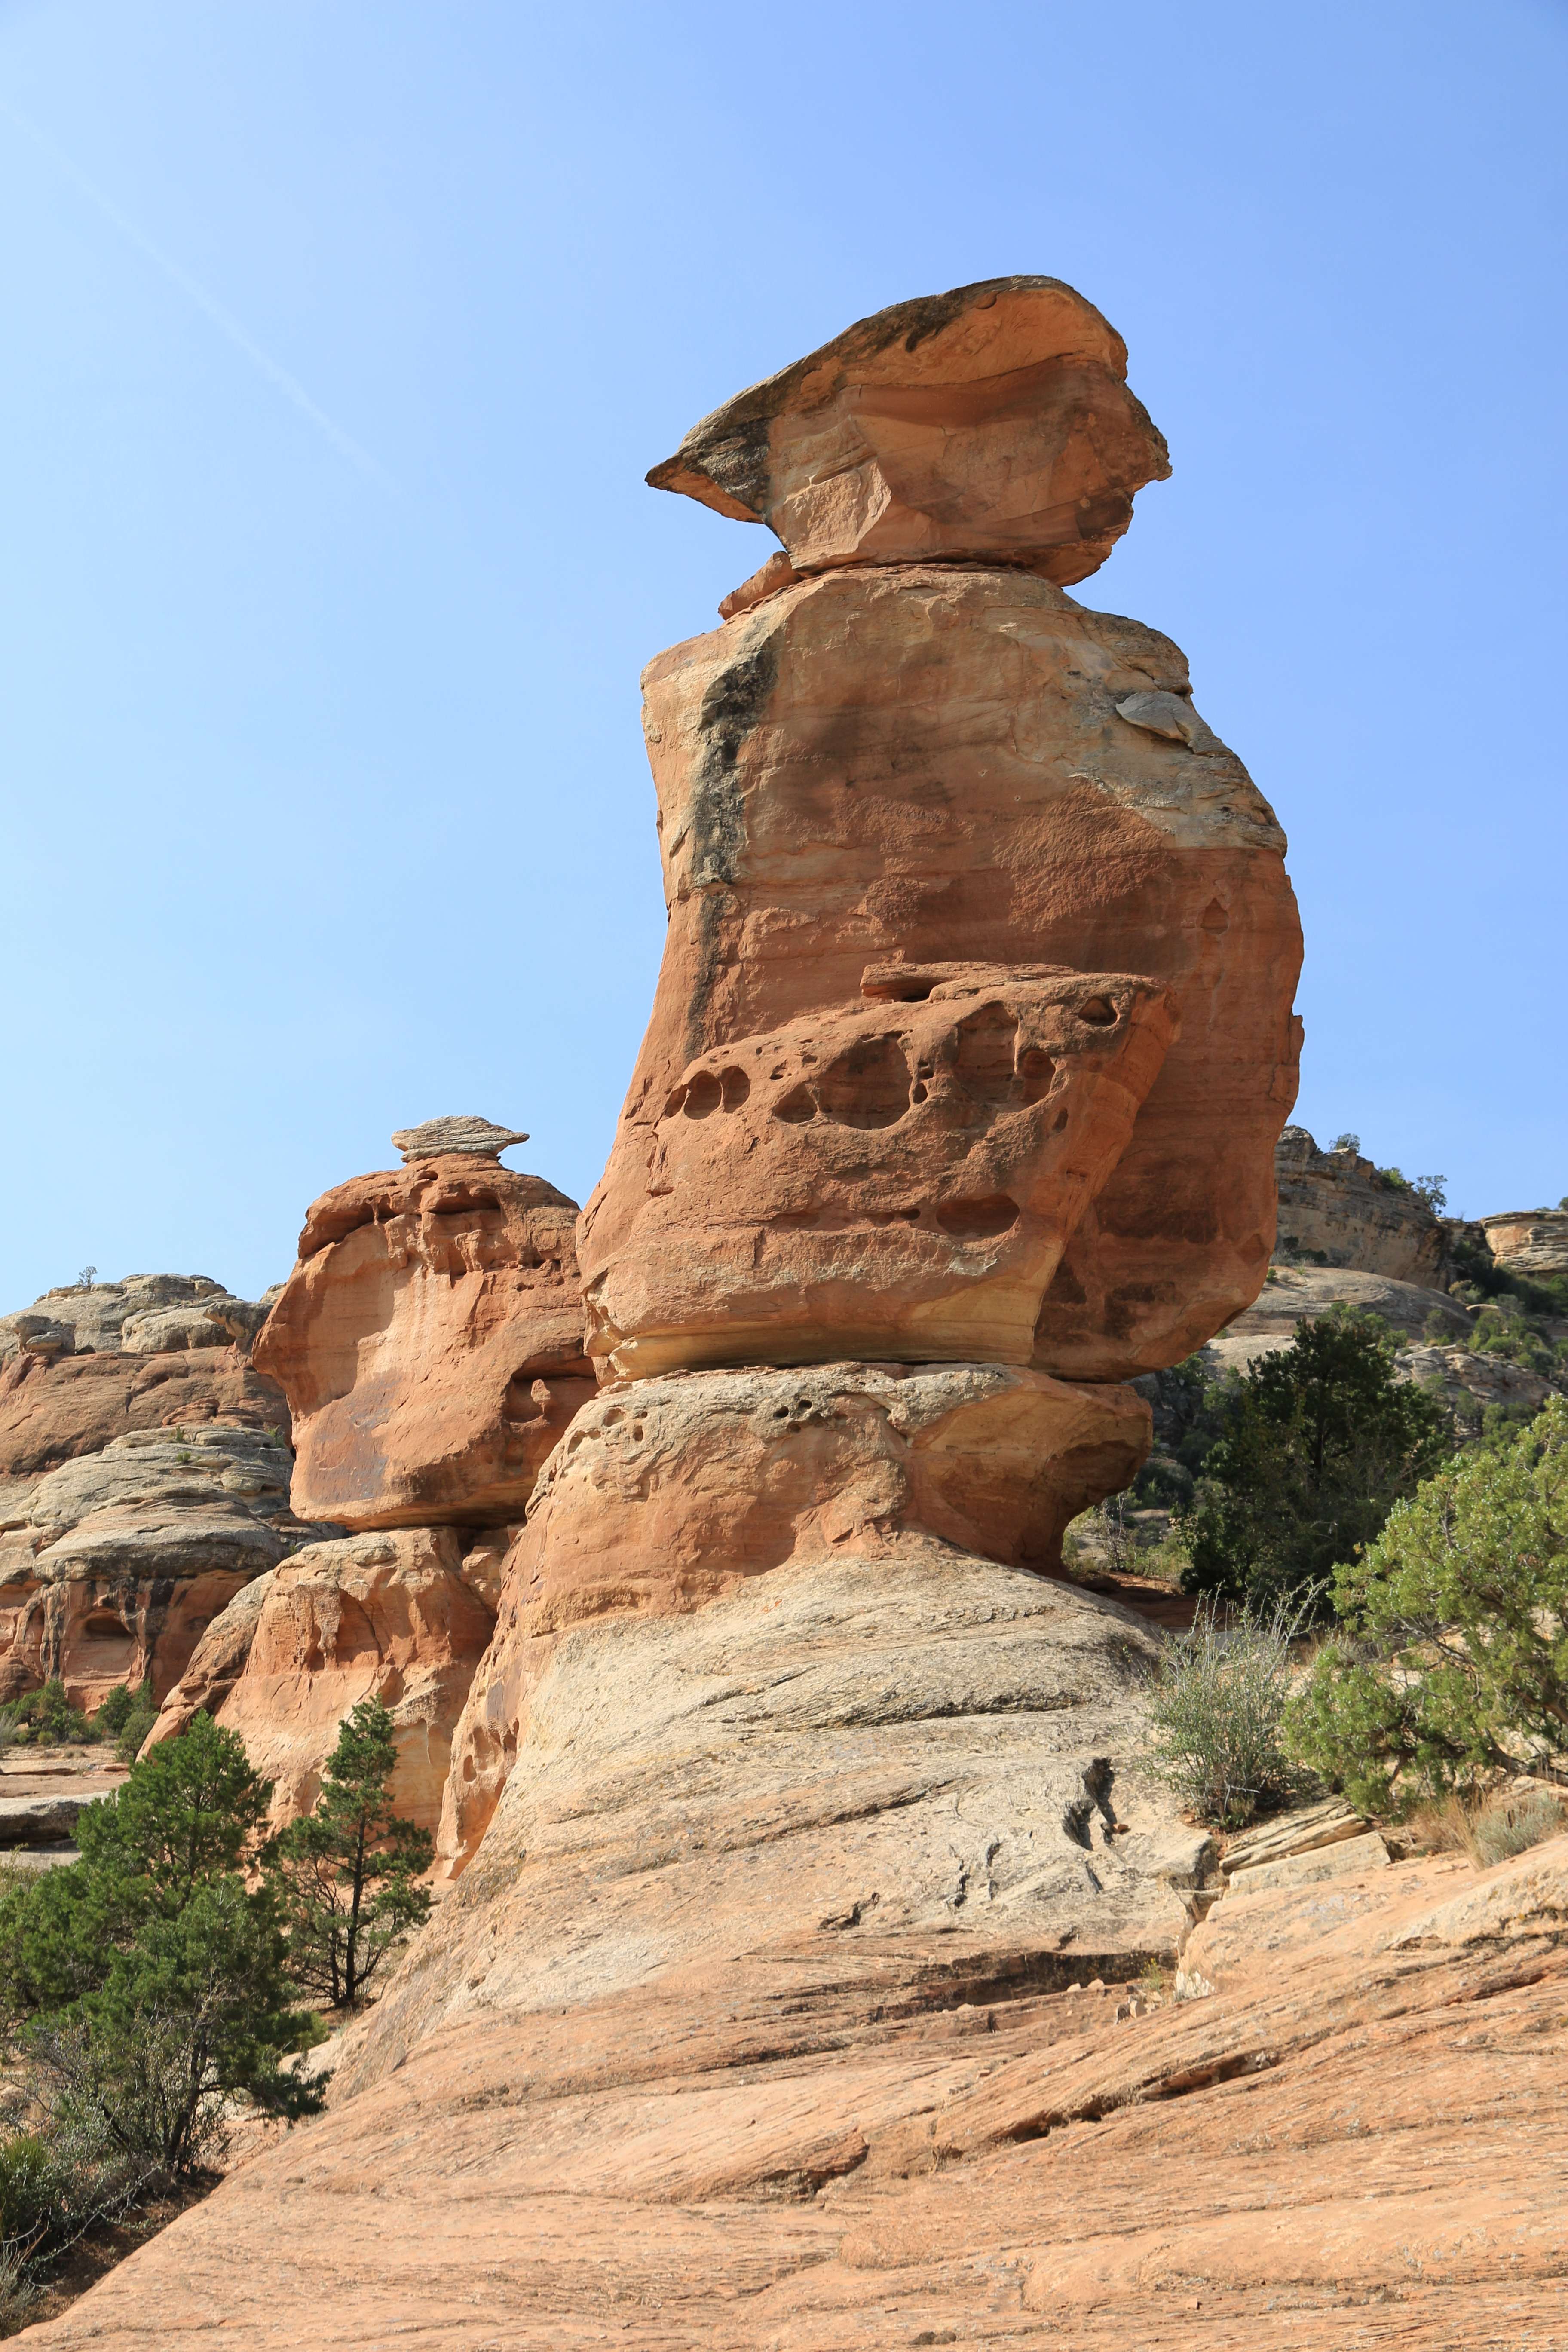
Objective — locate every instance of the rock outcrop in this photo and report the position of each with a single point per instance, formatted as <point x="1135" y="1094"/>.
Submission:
<point x="1529" y="1241"/>
<point x="430" y="1342"/>
<point x="390" y="1616"/>
<point x="669" y="1494"/>
<point x="915" y="767"/>
<point x="971" y="1047"/>
<point x="867" y="2142"/>
<point x="144" y="1473"/>
<point x="145" y="1315"/>
<point x="1342" y="1210"/>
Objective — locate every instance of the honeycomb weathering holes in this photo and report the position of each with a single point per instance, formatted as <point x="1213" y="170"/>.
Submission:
<point x="867" y="1085"/>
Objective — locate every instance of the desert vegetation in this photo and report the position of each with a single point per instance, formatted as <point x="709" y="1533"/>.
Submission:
<point x="159" y="1988"/>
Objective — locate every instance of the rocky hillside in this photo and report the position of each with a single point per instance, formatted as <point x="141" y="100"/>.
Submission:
<point x="144" y="1473"/>
<point x="1483" y="1305"/>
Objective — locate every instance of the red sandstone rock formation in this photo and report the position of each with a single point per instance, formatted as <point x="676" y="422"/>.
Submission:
<point x="994" y="420"/>
<point x="899" y="1175"/>
<point x="430" y="1343"/>
<point x="921" y="766"/>
<point x="138" y="1493"/>
<point x="669" y="1494"/>
<point x="389" y="1616"/>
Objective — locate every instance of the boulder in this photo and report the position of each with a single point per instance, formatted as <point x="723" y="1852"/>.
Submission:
<point x="994" y="420"/>
<point x="430" y="1343"/>
<point x="387" y="1616"/>
<point x="1343" y="1211"/>
<point x="669" y="1494"/>
<point x="919" y="766"/>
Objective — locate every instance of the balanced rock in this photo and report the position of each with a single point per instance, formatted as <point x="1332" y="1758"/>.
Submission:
<point x="464" y="1132"/>
<point x="923" y="767"/>
<point x="388" y="1616"/>
<point x="995" y="420"/>
<point x="669" y="1494"/>
<point x="430" y="1343"/>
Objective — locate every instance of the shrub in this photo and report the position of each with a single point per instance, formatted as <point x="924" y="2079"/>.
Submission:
<point x="47" y="1715"/>
<point x="1216" y="1710"/>
<point x="1454" y="1654"/>
<point x="1321" y="1439"/>
<point x="346" y="1873"/>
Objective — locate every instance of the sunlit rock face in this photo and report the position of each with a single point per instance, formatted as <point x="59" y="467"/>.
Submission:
<point x="906" y="765"/>
<point x="430" y="1342"/>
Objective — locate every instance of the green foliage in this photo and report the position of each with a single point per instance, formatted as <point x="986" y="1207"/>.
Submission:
<point x="346" y="1873"/>
<point x="117" y="1707"/>
<point x="1321" y="1439"/>
<point x="47" y="1715"/>
<point x="127" y="1716"/>
<point x="1216" y="1710"/>
<point x="1455" y="1653"/>
<point x="142" y="1988"/>
<point x="1432" y="1191"/>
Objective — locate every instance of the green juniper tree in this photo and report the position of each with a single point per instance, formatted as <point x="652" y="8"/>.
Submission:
<point x="1321" y="1440"/>
<point x="142" y="1988"/>
<point x="1454" y="1661"/>
<point x="346" y="1873"/>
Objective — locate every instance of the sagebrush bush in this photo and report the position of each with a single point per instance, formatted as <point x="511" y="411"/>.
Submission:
<point x="1509" y="1825"/>
<point x="1217" y="1708"/>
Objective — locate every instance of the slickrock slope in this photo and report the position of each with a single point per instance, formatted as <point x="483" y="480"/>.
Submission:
<point x="849" y="2142"/>
<point x="430" y="1343"/>
<point x="670" y="1493"/>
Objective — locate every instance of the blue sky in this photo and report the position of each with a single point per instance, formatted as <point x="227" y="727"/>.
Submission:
<point x="340" y="335"/>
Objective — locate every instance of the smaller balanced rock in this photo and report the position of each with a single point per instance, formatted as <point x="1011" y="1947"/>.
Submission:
<point x="463" y="1132"/>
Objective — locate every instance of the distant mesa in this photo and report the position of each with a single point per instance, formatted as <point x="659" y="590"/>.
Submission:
<point x="462" y="1132"/>
<point x="992" y="422"/>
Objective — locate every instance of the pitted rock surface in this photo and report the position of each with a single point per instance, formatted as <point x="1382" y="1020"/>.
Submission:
<point x="430" y="1344"/>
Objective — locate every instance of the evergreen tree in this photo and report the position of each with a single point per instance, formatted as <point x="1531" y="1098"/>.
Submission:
<point x="346" y="1873"/>
<point x="143" y="1987"/>
<point x="1321" y="1439"/>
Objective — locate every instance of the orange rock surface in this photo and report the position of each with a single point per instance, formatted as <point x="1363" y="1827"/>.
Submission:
<point x="389" y="1616"/>
<point x="668" y="1493"/>
<point x="995" y="419"/>
<point x="845" y="2141"/>
<point x="52" y="1411"/>
<point x="923" y="766"/>
<point x="430" y="1344"/>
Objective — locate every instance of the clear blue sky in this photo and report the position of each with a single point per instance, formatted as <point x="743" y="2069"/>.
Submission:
<point x="339" y="336"/>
